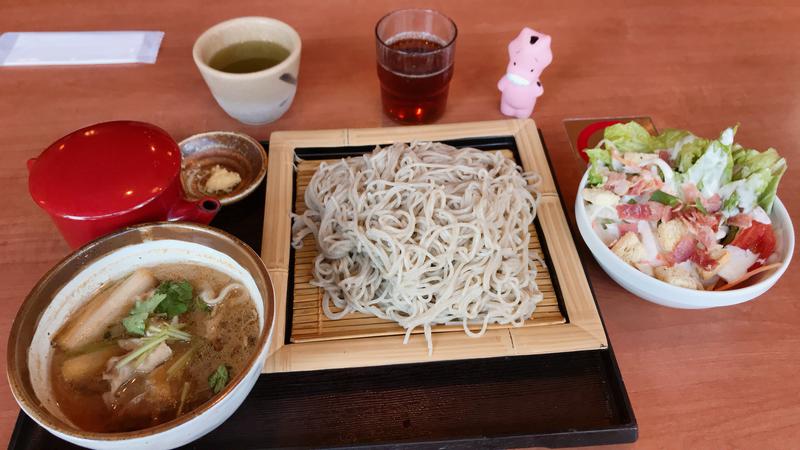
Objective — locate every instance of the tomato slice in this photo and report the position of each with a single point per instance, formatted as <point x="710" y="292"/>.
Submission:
<point x="759" y="238"/>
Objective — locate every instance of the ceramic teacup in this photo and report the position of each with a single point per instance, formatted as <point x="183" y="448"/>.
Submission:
<point x="253" y="98"/>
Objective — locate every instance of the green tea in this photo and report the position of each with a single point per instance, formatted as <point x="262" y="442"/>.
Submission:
<point x="249" y="56"/>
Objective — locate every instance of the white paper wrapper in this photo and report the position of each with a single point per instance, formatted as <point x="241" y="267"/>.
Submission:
<point x="83" y="47"/>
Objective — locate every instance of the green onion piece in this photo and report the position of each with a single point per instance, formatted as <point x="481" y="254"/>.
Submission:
<point x="699" y="205"/>
<point x="149" y="346"/>
<point x="729" y="237"/>
<point x="632" y="201"/>
<point x="151" y="342"/>
<point x="665" y="199"/>
<point x="177" y="368"/>
<point x="184" y="391"/>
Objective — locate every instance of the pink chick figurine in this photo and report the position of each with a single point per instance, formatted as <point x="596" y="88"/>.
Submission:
<point x="529" y="54"/>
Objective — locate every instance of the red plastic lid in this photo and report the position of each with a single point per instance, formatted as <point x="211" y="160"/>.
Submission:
<point x="104" y="169"/>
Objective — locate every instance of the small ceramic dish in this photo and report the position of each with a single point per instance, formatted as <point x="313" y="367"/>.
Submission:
<point x="657" y="291"/>
<point x="233" y="152"/>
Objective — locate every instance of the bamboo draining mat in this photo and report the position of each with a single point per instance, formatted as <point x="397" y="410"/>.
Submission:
<point x="309" y="323"/>
<point x="323" y="346"/>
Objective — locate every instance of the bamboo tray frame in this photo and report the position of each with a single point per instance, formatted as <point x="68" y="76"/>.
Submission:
<point x="582" y="331"/>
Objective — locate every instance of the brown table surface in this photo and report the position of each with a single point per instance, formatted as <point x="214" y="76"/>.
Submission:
<point x="715" y="378"/>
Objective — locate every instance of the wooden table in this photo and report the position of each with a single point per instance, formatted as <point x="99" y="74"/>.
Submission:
<point x="716" y="378"/>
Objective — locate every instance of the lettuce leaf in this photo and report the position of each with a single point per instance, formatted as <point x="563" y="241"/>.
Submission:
<point x="762" y="171"/>
<point x="709" y="164"/>
<point x="730" y="202"/>
<point x="690" y="153"/>
<point x="767" y="196"/>
<point x="667" y="139"/>
<point x="598" y="158"/>
<point x="748" y="161"/>
<point x="629" y="137"/>
<point x="714" y="167"/>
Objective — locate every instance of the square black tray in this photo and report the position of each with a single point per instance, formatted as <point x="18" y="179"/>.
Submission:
<point x="555" y="400"/>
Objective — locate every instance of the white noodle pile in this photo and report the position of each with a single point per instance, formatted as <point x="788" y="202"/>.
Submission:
<point x="424" y="234"/>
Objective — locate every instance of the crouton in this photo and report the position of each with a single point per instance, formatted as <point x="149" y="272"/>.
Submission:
<point x="646" y="269"/>
<point x="629" y="248"/>
<point x="681" y="275"/>
<point x="600" y="197"/>
<point x="670" y="233"/>
<point x="722" y="256"/>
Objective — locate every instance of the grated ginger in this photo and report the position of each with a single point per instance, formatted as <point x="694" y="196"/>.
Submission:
<point x="222" y="180"/>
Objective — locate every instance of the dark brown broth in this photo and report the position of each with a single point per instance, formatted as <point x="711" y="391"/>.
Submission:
<point x="227" y="336"/>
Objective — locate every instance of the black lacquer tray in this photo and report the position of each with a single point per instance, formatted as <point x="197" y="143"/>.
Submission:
<point x="553" y="400"/>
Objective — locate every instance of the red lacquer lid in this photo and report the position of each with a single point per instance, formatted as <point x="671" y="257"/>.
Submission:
<point x="104" y="169"/>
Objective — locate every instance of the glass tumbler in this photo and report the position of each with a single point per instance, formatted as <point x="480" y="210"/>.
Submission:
<point x="415" y="50"/>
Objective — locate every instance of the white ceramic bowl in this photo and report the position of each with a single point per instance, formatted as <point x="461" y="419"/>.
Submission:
<point x="657" y="291"/>
<point x="69" y="284"/>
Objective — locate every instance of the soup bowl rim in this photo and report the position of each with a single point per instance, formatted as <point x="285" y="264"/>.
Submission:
<point x="28" y="400"/>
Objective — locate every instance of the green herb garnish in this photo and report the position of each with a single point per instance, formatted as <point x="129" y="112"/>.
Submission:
<point x="665" y="199"/>
<point x="178" y="297"/>
<point x="631" y="201"/>
<point x="219" y="379"/>
<point x="170" y="297"/>
<point x="134" y="323"/>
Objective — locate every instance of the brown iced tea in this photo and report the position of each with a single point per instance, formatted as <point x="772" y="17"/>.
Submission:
<point x="415" y="51"/>
<point x="415" y="97"/>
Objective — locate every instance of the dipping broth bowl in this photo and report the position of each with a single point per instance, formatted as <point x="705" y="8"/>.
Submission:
<point x="73" y="281"/>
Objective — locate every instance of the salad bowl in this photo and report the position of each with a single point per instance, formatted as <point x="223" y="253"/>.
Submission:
<point x="683" y="221"/>
<point x="665" y="294"/>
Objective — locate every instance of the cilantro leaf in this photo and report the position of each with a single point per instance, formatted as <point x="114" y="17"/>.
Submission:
<point x="219" y="379"/>
<point x="134" y="322"/>
<point x="178" y="298"/>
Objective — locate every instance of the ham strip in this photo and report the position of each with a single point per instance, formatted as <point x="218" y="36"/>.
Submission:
<point x="644" y="182"/>
<point x="704" y="260"/>
<point x="712" y="204"/>
<point x="690" y="193"/>
<point x="741" y="220"/>
<point x="625" y="227"/>
<point x="634" y="211"/>
<point x="650" y="211"/>
<point x="684" y="249"/>
<point x="617" y="183"/>
<point x="707" y="237"/>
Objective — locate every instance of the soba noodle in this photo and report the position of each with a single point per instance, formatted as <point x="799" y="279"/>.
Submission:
<point x="424" y="234"/>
